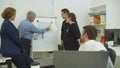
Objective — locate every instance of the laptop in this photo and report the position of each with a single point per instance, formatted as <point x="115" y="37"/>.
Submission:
<point x="79" y="59"/>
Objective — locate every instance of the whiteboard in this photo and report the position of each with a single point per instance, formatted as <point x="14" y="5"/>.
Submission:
<point x="48" y="41"/>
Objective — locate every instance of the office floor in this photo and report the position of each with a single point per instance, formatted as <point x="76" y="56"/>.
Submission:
<point x="117" y="62"/>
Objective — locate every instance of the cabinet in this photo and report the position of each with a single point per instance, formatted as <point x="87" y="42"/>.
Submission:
<point x="97" y="16"/>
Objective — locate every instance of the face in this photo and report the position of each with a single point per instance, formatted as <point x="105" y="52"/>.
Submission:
<point x="32" y="18"/>
<point x="63" y="15"/>
<point x="83" y="36"/>
<point x="13" y="17"/>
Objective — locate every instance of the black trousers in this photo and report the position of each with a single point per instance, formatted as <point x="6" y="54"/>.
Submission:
<point x="27" y="44"/>
<point x="20" y="60"/>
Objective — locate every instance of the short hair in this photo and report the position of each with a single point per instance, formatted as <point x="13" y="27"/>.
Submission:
<point x="72" y="16"/>
<point x="91" y="32"/>
<point x="65" y="10"/>
<point x="8" y="12"/>
<point x="31" y="13"/>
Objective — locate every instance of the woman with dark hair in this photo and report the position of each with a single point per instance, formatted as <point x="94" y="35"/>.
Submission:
<point x="10" y="43"/>
<point x="72" y="40"/>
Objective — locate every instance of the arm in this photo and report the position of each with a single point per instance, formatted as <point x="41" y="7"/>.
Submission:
<point x="62" y="31"/>
<point x="34" y="29"/>
<point x="78" y="41"/>
<point x="62" y="34"/>
<point x="76" y="32"/>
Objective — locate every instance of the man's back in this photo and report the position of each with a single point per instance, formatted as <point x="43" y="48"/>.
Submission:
<point x="92" y="45"/>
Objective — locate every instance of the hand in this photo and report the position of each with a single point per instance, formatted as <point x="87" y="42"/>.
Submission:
<point x="23" y="50"/>
<point x="48" y="28"/>
<point x="62" y="42"/>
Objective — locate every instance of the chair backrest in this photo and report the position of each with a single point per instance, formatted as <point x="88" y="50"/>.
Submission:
<point x="112" y="55"/>
<point x="79" y="59"/>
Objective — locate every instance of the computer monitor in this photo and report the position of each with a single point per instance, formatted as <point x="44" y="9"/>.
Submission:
<point x="80" y="59"/>
<point x="113" y="35"/>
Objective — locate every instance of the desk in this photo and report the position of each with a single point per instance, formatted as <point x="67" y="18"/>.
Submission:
<point x="117" y="62"/>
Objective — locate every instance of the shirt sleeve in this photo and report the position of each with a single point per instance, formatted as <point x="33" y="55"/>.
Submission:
<point x="34" y="29"/>
<point x="63" y="28"/>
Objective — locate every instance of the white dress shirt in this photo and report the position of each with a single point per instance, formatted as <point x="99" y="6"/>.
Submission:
<point x="92" y="45"/>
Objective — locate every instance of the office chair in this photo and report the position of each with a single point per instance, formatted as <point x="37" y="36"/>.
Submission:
<point x="111" y="52"/>
<point x="112" y="55"/>
<point x="6" y="61"/>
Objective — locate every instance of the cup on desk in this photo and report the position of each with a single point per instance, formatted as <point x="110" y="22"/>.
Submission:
<point x="110" y="43"/>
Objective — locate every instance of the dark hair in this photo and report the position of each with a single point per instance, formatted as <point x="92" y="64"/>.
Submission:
<point x="65" y="10"/>
<point x="72" y="16"/>
<point x="8" y="12"/>
<point x="91" y="32"/>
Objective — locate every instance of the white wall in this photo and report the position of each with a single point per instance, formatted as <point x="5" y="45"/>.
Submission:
<point x="50" y="8"/>
<point x="79" y="7"/>
<point x="113" y="14"/>
<point x="41" y="7"/>
<point x="98" y="2"/>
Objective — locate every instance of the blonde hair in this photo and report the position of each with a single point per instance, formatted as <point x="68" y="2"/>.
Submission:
<point x="31" y="13"/>
<point x="8" y="12"/>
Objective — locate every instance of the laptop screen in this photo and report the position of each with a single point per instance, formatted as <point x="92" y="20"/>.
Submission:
<point x="79" y="59"/>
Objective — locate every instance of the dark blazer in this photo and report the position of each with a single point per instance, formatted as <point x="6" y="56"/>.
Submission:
<point x="63" y="29"/>
<point x="10" y="43"/>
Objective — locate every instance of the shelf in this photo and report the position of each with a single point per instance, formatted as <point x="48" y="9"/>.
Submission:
<point x="102" y="24"/>
<point x="100" y="13"/>
<point x="98" y="6"/>
<point x="97" y="16"/>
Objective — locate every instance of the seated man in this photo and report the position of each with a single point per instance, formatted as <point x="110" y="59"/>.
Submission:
<point x="88" y="37"/>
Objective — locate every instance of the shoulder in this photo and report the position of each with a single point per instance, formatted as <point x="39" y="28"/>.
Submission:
<point x="7" y="23"/>
<point x="26" y="22"/>
<point x="94" y="42"/>
<point x="73" y="24"/>
<point x="100" y="46"/>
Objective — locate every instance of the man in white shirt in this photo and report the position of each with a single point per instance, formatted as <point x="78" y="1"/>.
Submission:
<point x="88" y="37"/>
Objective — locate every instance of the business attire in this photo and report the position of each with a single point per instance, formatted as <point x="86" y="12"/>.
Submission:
<point x="11" y="45"/>
<point x="71" y="37"/>
<point x="26" y="30"/>
<point x="93" y="45"/>
<point x="63" y="29"/>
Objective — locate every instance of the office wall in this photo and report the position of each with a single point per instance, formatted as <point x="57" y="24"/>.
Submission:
<point x="43" y="8"/>
<point x="49" y="8"/>
<point x="98" y="2"/>
<point x="113" y="14"/>
<point x="79" y="7"/>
